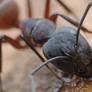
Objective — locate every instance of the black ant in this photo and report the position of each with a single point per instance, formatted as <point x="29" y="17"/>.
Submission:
<point x="68" y="50"/>
<point x="31" y="29"/>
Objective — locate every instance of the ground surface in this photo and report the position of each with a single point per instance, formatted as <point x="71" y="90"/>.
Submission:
<point x="17" y="64"/>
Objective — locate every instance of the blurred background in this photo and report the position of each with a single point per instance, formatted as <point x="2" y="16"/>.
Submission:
<point x="17" y="64"/>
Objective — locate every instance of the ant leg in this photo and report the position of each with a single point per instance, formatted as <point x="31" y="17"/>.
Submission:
<point x="75" y="23"/>
<point x="47" y="9"/>
<point x="58" y="58"/>
<point x="31" y="46"/>
<point x="81" y="22"/>
<point x="13" y="42"/>
<point x="67" y="8"/>
<point x="0" y="55"/>
<point x="29" y="8"/>
<point x="1" y="88"/>
<point x="38" y="54"/>
<point x="18" y="39"/>
<point x="64" y="6"/>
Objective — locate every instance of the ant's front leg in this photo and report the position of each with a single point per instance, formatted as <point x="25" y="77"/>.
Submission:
<point x="39" y="55"/>
<point x="14" y="42"/>
<point x="58" y="59"/>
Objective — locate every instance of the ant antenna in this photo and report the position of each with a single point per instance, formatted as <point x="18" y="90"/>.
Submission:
<point x="58" y="58"/>
<point x="38" y="54"/>
<point x="81" y="22"/>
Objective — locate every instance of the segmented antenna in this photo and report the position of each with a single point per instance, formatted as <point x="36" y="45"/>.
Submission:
<point x="81" y="22"/>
